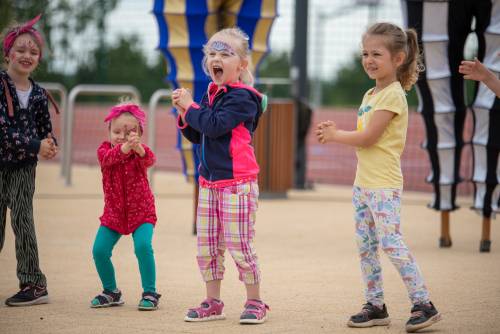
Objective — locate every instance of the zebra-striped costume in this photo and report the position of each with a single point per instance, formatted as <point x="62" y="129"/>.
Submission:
<point x="443" y="27"/>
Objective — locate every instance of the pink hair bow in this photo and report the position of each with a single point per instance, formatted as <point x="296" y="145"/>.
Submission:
<point x="13" y="33"/>
<point x="133" y="109"/>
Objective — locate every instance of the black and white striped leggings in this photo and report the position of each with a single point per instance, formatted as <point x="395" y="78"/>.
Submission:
<point x="17" y="188"/>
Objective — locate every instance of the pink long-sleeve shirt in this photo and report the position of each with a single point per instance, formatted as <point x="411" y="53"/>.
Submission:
<point x="128" y="199"/>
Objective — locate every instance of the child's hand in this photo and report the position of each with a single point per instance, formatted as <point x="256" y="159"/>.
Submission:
<point x="326" y="131"/>
<point x="134" y="141"/>
<point x="473" y="70"/>
<point x="182" y="98"/>
<point x="324" y="125"/>
<point x="48" y="148"/>
<point x="125" y="148"/>
<point x="176" y="100"/>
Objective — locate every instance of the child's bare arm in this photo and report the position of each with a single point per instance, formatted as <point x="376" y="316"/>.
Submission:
<point x="328" y="132"/>
<point x="475" y="70"/>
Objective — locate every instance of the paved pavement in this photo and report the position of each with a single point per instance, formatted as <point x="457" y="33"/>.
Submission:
<point x="311" y="276"/>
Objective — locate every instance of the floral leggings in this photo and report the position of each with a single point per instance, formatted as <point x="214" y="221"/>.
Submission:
<point x="377" y="216"/>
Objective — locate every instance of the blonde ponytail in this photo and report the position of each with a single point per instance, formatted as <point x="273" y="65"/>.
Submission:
<point x="409" y="71"/>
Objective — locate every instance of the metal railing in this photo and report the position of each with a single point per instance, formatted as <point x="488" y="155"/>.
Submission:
<point x="106" y="90"/>
<point x="100" y="90"/>
<point x="270" y="83"/>
<point x="153" y="103"/>
<point x="58" y="88"/>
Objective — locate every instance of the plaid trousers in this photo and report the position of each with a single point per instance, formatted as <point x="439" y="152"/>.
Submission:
<point x="226" y="219"/>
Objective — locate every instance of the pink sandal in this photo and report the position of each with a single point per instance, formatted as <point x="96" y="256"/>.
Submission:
<point x="254" y="312"/>
<point x="209" y="309"/>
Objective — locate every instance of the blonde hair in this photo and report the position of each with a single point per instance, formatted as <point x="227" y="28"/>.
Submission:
<point x="242" y="50"/>
<point x="401" y="41"/>
<point x="124" y="100"/>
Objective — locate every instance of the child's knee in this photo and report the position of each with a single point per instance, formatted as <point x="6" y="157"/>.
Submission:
<point x="365" y="244"/>
<point x="207" y="252"/>
<point x="397" y="253"/>
<point x="245" y="261"/>
<point x="143" y="249"/>
<point x="101" y="251"/>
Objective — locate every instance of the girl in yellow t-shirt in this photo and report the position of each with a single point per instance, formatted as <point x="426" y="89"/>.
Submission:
<point x="390" y="57"/>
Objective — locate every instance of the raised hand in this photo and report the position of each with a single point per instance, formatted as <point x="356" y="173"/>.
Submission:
<point x="473" y="70"/>
<point x="134" y="141"/>
<point x="182" y="98"/>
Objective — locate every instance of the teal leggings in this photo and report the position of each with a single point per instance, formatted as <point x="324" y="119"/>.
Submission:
<point x="104" y="242"/>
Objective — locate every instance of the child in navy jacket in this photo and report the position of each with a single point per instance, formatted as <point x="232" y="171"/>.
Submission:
<point x="223" y="125"/>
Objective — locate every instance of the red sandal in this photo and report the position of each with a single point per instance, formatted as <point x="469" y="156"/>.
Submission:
<point x="209" y="309"/>
<point x="254" y="312"/>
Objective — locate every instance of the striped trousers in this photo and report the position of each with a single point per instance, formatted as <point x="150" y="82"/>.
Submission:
<point x="17" y="188"/>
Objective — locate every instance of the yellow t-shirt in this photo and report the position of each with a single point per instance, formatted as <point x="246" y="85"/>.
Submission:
<point x="379" y="166"/>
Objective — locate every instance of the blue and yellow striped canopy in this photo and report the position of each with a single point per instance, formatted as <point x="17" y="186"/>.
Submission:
<point x="186" y="25"/>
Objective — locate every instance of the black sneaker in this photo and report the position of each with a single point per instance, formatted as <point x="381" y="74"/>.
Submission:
<point x="370" y="316"/>
<point x="29" y="295"/>
<point x="422" y="316"/>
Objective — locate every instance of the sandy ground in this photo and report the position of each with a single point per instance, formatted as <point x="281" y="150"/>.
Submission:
<point x="311" y="276"/>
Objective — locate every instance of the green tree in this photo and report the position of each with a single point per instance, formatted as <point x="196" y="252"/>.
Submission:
<point x="68" y="18"/>
<point x="351" y="83"/>
<point x="275" y="65"/>
<point x="125" y="64"/>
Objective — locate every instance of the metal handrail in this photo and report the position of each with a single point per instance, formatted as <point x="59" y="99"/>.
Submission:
<point x="273" y="81"/>
<point x="87" y="90"/>
<point x="63" y="94"/>
<point x="269" y="83"/>
<point x="153" y="103"/>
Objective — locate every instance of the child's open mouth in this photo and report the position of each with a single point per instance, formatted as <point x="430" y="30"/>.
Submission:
<point x="218" y="72"/>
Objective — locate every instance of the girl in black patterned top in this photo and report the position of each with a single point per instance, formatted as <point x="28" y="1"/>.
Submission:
<point x="25" y="134"/>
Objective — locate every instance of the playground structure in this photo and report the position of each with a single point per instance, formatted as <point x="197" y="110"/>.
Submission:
<point x="313" y="227"/>
<point x="326" y="164"/>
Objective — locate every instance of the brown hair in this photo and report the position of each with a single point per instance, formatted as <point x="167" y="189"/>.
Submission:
<point x="242" y="49"/>
<point x="401" y="41"/>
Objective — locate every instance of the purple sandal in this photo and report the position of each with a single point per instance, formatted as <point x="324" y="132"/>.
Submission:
<point x="209" y="309"/>
<point x="254" y="312"/>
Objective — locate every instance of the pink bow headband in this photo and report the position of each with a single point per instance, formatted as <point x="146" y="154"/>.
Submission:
<point x="27" y="28"/>
<point x="133" y="109"/>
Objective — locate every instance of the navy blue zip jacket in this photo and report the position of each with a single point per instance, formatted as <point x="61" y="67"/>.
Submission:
<point x="22" y="132"/>
<point x="223" y="124"/>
